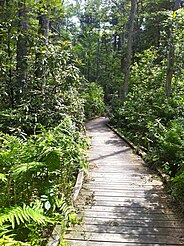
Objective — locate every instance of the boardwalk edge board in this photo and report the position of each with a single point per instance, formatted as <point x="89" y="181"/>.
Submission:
<point x="139" y="151"/>
<point x="54" y="239"/>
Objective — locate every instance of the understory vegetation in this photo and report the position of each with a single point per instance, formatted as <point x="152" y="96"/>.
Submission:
<point x="152" y="121"/>
<point x="151" y="118"/>
<point x="37" y="176"/>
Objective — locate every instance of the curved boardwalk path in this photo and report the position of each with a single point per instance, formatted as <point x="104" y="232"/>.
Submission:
<point x="122" y="201"/>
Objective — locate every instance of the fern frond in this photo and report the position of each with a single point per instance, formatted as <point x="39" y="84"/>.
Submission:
<point x="25" y="167"/>
<point x="5" y="229"/>
<point x="9" y="241"/>
<point x="52" y="158"/>
<point x="17" y="215"/>
<point x="65" y="209"/>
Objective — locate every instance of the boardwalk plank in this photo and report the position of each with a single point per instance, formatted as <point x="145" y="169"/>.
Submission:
<point x="126" y="229"/>
<point x="125" y="238"/>
<point x="132" y="222"/>
<point x="141" y="210"/>
<point x="97" y="243"/>
<point x="126" y="193"/>
<point x="127" y="215"/>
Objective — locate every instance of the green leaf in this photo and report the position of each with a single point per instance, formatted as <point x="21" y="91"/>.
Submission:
<point x="27" y="213"/>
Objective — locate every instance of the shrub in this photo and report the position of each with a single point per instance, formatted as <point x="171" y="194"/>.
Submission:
<point x="94" y="104"/>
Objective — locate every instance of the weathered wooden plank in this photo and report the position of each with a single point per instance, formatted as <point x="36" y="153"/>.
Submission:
<point x="123" y="209"/>
<point x="150" y="210"/>
<point x="132" y="222"/>
<point x="128" y="229"/>
<point x="128" y="215"/>
<point x="127" y="186"/>
<point x="119" y="172"/>
<point x="124" y="190"/>
<point x="131" y="204"/>
<point x="119" y="178"/>
<point x="121" y="165"/>
<point x="126" y="193"/>
<point x="130" y="199"/>
<point x="125" y="238"/>
<point x="120" y="183"/>
<point x="97" y="243"/>
<point x="122" y="171"/>
<point x="126" y="180"/>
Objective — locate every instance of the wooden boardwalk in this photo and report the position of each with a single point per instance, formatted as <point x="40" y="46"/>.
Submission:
<point x="123" y="203"/>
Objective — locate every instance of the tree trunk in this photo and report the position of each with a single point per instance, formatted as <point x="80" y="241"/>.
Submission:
<point x="177" y="5"/>
<point x="2" y="4"/>
<point x="170" y="58"/>
<point x="5" y="15"/>
<point x="170" y="67"/>
<point x="43" y="32"/>
<point x="129" y="48"/>
<point x="88" y="67"/>
<point x="98" y="57"/>
<point x="21" y="52"/>
<point x="44" y="21"/>
<point x="10" y="84"/>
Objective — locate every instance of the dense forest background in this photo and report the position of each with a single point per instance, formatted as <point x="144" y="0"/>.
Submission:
<point x="63" y="63"/>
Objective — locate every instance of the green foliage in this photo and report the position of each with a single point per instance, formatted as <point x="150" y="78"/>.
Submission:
<point x="151" y="120"/>
<point x="168" y="146"/>
<point x="51" y="97"/>
<point x="177" y="189"/>
<point x="9" y="241"/>
<point x="39" y="172"/>
<point x="94" y="104"/>
<point x="17" y="215"/>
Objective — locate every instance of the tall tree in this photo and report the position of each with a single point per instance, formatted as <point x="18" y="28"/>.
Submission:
<point x="20" y="88"/>
<point x="129" y="47"/>
<point x="171" y="56"/>
<point x="44" y="20"/>
<point x="8" y="18"/>
<point x="43" y="34"/>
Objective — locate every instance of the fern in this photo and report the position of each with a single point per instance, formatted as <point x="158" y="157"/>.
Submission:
<point x="25" y="167"/>
<point x="68" y="213"/>
<point x="52" y="159"/>
<point x="5" y="229"/>
<point x="7" y="237"/>
<point x="17" y="215"/>
<point x="9" y="241"/>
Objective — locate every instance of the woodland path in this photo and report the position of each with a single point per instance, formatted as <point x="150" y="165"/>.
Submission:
<point x="122" y="201"/>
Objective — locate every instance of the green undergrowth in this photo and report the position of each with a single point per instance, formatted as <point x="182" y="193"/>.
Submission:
<point x="153" y="121"/>
<point x="37" y="175"/>
<point x="94" y="100"/>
